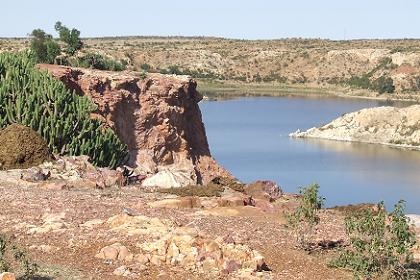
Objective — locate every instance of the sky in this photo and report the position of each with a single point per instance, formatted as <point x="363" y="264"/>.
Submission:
<point x="240" y="19"/>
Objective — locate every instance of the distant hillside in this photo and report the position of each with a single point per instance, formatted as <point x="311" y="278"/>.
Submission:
<point x="385" y="66"/>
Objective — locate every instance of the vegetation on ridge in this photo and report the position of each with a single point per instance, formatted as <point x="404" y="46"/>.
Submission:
<point x="47" y="50"/>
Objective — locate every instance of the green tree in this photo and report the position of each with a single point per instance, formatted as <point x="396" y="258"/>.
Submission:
<point x="43" y="46"/>
<point x="70" y="37"/>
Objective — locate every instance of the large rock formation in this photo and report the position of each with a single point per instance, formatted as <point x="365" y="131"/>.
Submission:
<point x="382" y="125"/>
<point x="157" y="117"/>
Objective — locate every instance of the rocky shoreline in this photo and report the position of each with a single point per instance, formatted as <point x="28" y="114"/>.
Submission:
<point x="391" y="126"/>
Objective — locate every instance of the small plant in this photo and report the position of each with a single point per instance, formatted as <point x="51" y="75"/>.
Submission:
<point x="10" y="253"/>
<point x="304" y="219"/>
<point x="380" y="244"/>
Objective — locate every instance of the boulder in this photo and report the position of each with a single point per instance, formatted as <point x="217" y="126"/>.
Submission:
<point x="267" y="190"/>
<point x="169" y="179"/>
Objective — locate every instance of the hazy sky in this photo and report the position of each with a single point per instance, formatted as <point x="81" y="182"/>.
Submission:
<point x="244" y="19"/>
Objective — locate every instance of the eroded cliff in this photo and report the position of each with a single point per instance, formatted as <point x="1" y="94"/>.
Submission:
<point x="157" y="117"/>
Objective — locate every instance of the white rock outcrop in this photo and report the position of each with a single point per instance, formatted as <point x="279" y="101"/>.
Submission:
<point x="383" y="125"/>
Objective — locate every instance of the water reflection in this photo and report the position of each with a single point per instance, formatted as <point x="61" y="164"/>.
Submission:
<point x="371" y="157"/>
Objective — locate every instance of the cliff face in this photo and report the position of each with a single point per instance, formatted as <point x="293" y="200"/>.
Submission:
<point x="382" y="125"/>
<point x="158" y="118"/>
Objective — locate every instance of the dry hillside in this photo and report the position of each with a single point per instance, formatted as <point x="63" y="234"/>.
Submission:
<point x="309" y="62"/>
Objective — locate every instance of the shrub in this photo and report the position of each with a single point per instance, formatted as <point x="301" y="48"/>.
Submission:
<point x="97" y="61"/>
<point x="44" y="47"/>
<point x="360" y="82"/>
<point x="383" y="85"/>
<point x="35" y="99"/>
<point x="380" y="243"/>
<point x="303" y="220"/>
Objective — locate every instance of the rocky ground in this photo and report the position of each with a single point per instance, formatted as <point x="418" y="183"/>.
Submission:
<point x="80" y="230"/>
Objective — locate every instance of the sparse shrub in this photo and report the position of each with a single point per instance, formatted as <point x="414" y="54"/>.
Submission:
<point x="10" y="253"/>
<point x="35" y="99"/>
<point x="304" y="219"/>
<point x="380" y="244"/>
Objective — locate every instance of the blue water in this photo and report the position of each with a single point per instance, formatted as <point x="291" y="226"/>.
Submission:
<point x="250" y="138"/>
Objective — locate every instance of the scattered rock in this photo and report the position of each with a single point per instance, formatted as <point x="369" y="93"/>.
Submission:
<point x="138" y="225"/>
<point x="114" y="252"/>
<point x="35" y="174"/>
<point x="180" y="246"/>
<point x="53" y="222"/>
<point x="122" y="271"/>
<point x="92" y="223"/>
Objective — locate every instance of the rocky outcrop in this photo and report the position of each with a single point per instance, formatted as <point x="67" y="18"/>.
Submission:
<point x="383" y="125"/>
<point x="179" y="246"/>
<point x="157" y="117"/>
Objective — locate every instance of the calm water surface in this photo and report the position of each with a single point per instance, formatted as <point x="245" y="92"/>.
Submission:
<point x="250" y="138"/>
